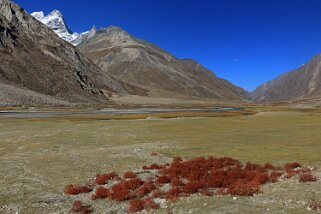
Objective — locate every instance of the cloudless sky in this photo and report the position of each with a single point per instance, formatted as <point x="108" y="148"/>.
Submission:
<point x="247" y="42"/>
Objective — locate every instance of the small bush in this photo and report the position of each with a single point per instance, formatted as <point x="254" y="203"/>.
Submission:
<point x="173" y="194"/>
<point x="150" y="204"/>
<point x="153" y="166"/>
<point x="102" y="179"/>
<point x="75" y="190"/>
<point x="274" y="176"/>
<point x="136" y="205"/>
<point x="146" y="188"/>
<point x="101" y="192"/>
<point x="121" y="195"/>
<point x="129" y="174"/>
<point x="242" y="188"/>
<point x="307" y="177"/>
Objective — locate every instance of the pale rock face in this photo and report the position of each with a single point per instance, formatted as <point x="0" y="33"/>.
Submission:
<point x="55" y="20"/>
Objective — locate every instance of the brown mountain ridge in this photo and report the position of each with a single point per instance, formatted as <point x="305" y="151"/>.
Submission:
<point x="302" y="83"/>
<point x="38" y="67"/>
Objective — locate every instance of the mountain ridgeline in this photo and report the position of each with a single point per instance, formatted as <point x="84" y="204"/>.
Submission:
<point x="39" y="66"/>
<point x="157" y="72"/>
<point x="143" y="68"/>
<point x="299" y="84"/>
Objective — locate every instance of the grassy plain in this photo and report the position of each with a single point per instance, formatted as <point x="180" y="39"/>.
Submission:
<point x="40" y="156"/>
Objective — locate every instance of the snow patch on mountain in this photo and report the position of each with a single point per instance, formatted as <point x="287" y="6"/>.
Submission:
<point x="55" y="20"/>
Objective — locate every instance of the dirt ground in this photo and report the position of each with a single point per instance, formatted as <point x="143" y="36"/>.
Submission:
<point x="40" y="156"/>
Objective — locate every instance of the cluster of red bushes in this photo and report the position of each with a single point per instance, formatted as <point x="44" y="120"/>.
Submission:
<point x="207" y="176"/>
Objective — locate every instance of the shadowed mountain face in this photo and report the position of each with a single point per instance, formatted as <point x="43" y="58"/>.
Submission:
<point x="153" y="71"/>
<point x="302" y="83"/>
<point x="36" y="60"/>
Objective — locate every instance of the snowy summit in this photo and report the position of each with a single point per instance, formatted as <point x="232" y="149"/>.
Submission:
<point x="55" y="20"/>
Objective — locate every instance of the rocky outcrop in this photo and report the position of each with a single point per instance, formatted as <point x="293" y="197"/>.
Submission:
<point x="34" y="57"/>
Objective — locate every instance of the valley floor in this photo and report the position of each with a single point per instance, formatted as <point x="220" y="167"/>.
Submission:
<point x="39" y="156"/>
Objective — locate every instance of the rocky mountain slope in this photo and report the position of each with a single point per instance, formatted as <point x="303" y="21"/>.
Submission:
<point x="302" y="83"/>
<point x="156" y="72"/>
<point x="36" y="60"/>
<point x="55" y="20"/>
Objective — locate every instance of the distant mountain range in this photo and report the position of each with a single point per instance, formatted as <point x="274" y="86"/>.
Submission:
<point x="302" y="83"/>
<point x="39" y="67"/>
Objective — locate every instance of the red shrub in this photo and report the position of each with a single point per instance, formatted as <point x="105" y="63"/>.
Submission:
<point x="146" y="188"/>
<point x="173" y="194"/>
<point x="163" y="179"/>
<point x="269" y="166"/>
<point x="134" y="183"/>
<point x="129" y="174"/>
<point x="291" y="166"/>
<point x="101" y="192"/>
<point x="262" y="178"/>
<point x="307" y="177"/>
<point x="242" y="188"/>
<point x="136" y="205"/>
<point x="78" y="207"/>
<point x="121" y="195"/>
<point x="193" y="186"/>
<point x="153" y="166"/>
<point x="175" y="181"/>
<point x="253" y="167"/>
<point x="274" y="176"/>
<point x="150" y="204"/>
<point x="75" y="190"/>
<point x="102" y="179"/>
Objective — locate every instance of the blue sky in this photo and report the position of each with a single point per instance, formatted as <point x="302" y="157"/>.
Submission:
<point x="244" y="41"/>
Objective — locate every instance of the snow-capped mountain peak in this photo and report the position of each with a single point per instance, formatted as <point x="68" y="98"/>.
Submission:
<point x="38" y="15"/>
<point x="55" y="20"/>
